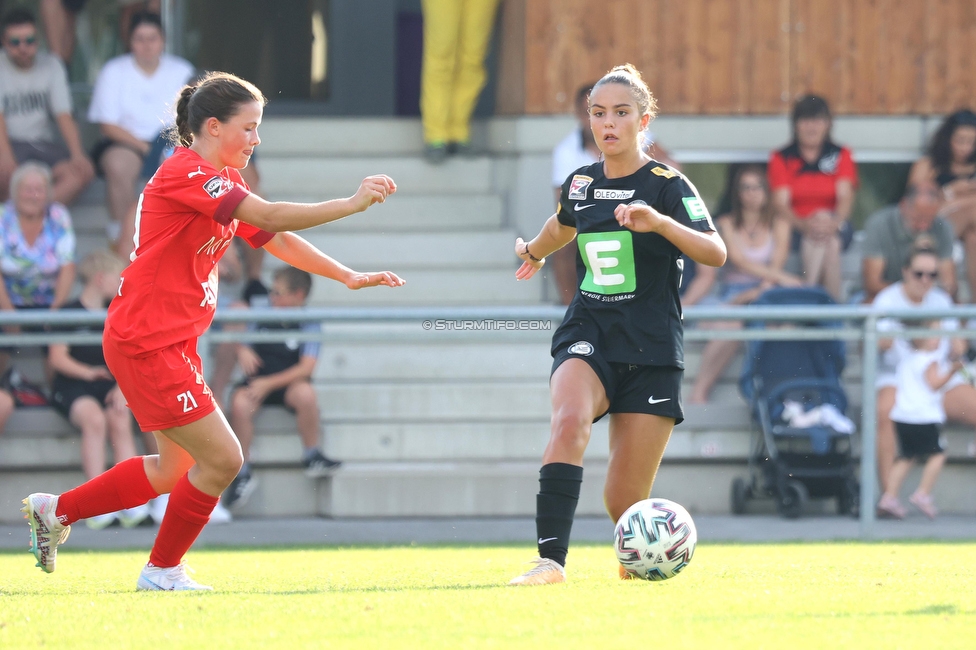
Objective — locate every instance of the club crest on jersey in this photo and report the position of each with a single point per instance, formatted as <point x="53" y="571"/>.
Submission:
<point x="637" y="202"/>
<point x="216" y="187"/>
<point x="613" y="195"/>
<point x="577" y="188"/>
<point x="582" y="348"/>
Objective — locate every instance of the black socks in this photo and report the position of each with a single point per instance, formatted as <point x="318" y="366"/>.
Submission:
<point x="559" y="488"/>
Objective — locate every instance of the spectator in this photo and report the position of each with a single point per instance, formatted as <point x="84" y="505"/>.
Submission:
<point x="279" y="373"/>
<point x="813" y="183"/>
<point x="84" y="392"/>
<point x="892" y="232"/>
<point x="132" y="104"/>
<point x="921" y="372"/>
<point x="37" y="244"/>
<point x="758" y="244"/>
<point x="576" y="150"/>
<point x="951" y="163"/>
<point x="916" y="290"/>
<point x="34" y="96"/>
<point x="60" y="19"/>
<point x="456" y="36"/>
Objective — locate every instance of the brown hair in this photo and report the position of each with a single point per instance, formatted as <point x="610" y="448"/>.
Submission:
<point x="217" y="94"/>
<point x="296" y="279"/>
<point x="767" y="213"/>
<point x="628" y="75"/>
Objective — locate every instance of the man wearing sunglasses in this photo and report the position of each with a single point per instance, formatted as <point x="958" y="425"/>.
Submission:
<point x="35" y="102"/>
<point x="892" y="232"/>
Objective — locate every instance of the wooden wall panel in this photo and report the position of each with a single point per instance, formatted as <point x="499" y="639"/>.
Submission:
<point x="756" y="56"/>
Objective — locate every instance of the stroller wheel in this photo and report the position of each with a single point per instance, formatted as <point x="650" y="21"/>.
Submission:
<point x="740" y="494"/>
<point x="792" y="498"/>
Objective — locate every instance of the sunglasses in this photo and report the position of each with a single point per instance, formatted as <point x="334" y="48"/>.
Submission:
<point x="920" y="275"/>
<point x="16" y="42"/>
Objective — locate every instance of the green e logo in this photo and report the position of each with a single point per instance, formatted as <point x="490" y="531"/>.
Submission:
<point x="609" y="260"/>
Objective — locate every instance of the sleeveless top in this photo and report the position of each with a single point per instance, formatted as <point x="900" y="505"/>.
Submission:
<point x="945" y="177"/>
<point x="762" y="254"/>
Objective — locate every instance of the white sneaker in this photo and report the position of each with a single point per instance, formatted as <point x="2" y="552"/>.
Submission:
<point x="220" y="515"/>
<point x="47" y="533"/>
<point x="544" y="572"/>
<point x="132" y="517"/>
<point x="172" y="578"/>
<point x="98" y="522"/>
<point x="157" y="508"/>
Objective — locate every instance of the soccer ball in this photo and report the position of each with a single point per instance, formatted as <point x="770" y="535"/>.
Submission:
<point x="655" y="539"/>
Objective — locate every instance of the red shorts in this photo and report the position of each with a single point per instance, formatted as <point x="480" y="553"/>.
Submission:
<point x="164" y="388"/>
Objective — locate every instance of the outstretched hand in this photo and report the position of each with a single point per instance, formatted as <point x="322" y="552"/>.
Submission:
<point x="373" y="189"/>
<point x="384" y="278"/>
<point x="639" y="218"/>
<point x="529" y="266"/>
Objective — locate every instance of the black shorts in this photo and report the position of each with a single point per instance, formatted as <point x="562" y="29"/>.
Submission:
<point x="918" y="440"/>
<point x="655" y="390"/>
<point x="49" y="153"/>
<point x="65" y="390"/>
<point x="274" y="398"/>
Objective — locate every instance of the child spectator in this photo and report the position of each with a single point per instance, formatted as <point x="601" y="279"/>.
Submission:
<point x="918" y="414"/>
<point x="84" y="392"/>
<point x="279" y="373"/>
<point x="813" y="181"/>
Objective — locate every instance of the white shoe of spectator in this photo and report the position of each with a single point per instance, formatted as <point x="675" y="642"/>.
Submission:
<point x="157" y="508"/>
<point x="132" y="517"/>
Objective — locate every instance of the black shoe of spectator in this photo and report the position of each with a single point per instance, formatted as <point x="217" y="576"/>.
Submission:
<point x="239" y="490"/>
<point x="317" y="465"/>
<point x="436" y="154"/>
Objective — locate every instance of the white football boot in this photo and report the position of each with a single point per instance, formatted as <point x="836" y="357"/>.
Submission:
<point x="47" y="533"/>
<point x="174" y="578"/>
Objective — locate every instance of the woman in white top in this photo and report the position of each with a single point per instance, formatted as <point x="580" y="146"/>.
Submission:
<point x="132" y="104"/>
<point x="916" y="289"/>
<point x="758" y="244"/>
<point x="918" y="414"/>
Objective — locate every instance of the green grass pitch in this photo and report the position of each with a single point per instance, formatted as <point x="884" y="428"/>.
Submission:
<point x="841" y="595"/>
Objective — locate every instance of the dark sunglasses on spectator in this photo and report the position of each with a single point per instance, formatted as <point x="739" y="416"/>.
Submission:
<point x="931" y="275"/>
<point x="15" y="42"/>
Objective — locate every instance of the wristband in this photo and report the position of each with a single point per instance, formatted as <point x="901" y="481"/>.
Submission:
<point x="531" y="256"/>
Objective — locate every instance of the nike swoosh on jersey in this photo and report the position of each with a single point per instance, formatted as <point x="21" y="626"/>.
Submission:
<point x="548" y="539"/>
<point x="651" y="400"/>
<point x="578" y="207"/>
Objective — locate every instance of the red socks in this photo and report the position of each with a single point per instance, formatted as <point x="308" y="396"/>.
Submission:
<point x="187" y="513"/>
<point x="124" y="486"/>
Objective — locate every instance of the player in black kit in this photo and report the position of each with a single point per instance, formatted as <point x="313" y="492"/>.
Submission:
<point x="619" y="350"/>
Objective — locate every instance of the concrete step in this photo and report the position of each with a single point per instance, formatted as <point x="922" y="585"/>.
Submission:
<point x="296" y="136"/>
<point x="297" y="178"/>
<point x="468" y="250"/>
<point x="434" y="287"/>
<point x="426" y="213"/>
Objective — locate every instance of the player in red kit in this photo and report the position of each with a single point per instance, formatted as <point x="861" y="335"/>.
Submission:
<point x="188" y="214"/>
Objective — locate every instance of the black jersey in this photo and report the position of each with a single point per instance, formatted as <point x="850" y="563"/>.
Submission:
<point x="628" y="281"/>
<point x="89" y="354"/>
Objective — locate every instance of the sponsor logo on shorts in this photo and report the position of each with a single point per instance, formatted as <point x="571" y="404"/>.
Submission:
<point x="577" y="187"/>
<point x="613" y="195"/>
<point x="582" y="348"/>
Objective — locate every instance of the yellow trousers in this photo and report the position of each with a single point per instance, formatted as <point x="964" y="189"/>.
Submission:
<point x="456" y="36"/>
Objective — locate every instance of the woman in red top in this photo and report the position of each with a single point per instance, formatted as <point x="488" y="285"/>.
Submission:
<point x="188" y="214"/>
<point x="813" y="183"/>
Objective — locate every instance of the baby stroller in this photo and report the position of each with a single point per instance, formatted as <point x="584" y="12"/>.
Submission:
<point x="794" y="392"/>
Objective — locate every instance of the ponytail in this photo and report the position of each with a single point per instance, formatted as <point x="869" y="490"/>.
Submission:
<point x="182" y="133"/>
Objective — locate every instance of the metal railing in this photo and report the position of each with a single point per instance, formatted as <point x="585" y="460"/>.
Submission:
<point x="856" y="323"/>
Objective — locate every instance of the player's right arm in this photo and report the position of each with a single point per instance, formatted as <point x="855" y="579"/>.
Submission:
<point x="282" y="216"/>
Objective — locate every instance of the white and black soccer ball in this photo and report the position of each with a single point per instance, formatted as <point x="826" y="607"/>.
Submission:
<point x="655" y="539"/>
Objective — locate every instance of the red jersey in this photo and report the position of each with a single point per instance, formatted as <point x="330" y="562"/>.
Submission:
<point x="813" y="186"/>
<point x="168" y="293"/>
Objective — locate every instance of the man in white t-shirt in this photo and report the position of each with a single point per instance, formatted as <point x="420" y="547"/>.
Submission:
<point x="35" y="102"/>
<point x="134" y="103"/>
<point x="916" y="290"/>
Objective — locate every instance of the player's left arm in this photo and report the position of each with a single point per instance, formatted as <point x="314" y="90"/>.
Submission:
<point x="296" y="251"/>
<point x="680" y="217"/>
